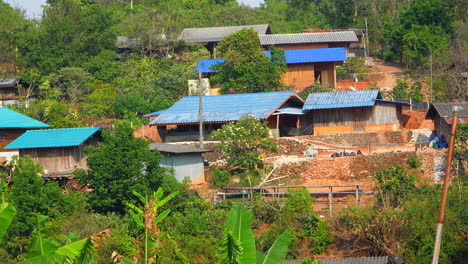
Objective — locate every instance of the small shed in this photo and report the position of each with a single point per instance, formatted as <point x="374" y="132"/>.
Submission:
<point x="57" y="150"/>
<point x="11" y="91"/>
<point x="187" y="161"/>
<point x="350" y="111"/>
<point x="442" y="115"/>
<point x="13" y="125"/>
<point x="222" y="109"/>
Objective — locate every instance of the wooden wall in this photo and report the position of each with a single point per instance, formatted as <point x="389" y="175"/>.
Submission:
<point x="301" y="75"/>
<point x="381" y="117"/>
<point x="7" y="136"/>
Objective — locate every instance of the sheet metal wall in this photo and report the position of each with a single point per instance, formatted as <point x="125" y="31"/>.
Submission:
<point x="185" y="165"/>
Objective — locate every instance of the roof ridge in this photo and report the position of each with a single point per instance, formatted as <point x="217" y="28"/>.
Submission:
<point x="239" y="94"/>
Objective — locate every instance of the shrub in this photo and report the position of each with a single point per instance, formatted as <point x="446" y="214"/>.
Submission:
<point x="413" y="161"/>
<point x="220" y="178"/>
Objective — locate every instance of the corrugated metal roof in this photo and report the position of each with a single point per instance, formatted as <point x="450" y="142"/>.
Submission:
<point x="214" y="34"/>
<point x="52" y="138"/>
<point x="445" y="109"/>
<point x="9" y="82"/>
<point x="12" y="119"/>
<point x="176" y="148"/>
<point x="225" y="108"/>
<point x="155" y="113"/>
<point x="342" y="99"/>
<point x="292" y="56"/>
<point x="461" y="120"/>
<point x="313" y="55"/>
<point x="365" y="260"/>
<point x="289" y="111"/>
<point x="322" y="37"/>
<point x="204" y="66"/>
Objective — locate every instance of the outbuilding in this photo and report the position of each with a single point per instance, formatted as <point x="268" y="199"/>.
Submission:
<point x="187" y="161"/>
<point x="350" y="111"/>
<point x="442" y="115"/>
<point x="58" y="151"/>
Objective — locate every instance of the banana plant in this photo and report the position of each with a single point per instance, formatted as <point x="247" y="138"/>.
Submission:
<point x="46" y="251"/>
<point x="147" y="219"/>
<point x="7" y="211"/>
<point x="238" y="245"/>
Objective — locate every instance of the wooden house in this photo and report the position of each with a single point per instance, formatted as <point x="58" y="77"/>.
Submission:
<point x="180" y="122"/>
<point x="304" y="66"/>
<point x="187" y="161"/>
<point x="13" y="125"/>
<point x="442" y="115"/>
<point x="354" y="48"/>
<point x="350" y="111"/>
<point x="58" y="151"/>
<point x="11" y="91"/>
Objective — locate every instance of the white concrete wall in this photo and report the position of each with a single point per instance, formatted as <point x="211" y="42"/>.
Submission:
<point x="8" y="155"/>
<point x="186" y="165"/>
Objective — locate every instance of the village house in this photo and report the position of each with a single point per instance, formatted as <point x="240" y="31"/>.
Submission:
<point x="350" y="111"/>
<point x="13" y="125"/>
<point x="58" y="151"/>
<point x="355" y="48"/>
<point x="442" y="115"/>
<point x="304" y="67"/>
<point x="183" y="116"/>
<point x="187" y="161"/>
<point x="11" y="92"/>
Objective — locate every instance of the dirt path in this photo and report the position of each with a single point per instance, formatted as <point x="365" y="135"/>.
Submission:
<point x="387" y="73"/>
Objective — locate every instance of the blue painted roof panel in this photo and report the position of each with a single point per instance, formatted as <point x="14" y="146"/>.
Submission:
<point x="205" y="65"/>
<point x="52" y="138"/>
<point x="292" y="56"/>
<point x="313" y="55"/>
<point x="223" y="108"/>
<point x="155" y="113"/>
<point x="12" y="119"/>
<point x="342" y="99"/>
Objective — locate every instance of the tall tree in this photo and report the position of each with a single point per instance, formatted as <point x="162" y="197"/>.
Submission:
<point x="247" y="69"/>
<point x="120" y="165"/>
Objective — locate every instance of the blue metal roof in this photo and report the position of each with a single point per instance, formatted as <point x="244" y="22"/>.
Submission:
<point x="313" y="55"/>
<point x="292" y="56"/>
<point x="343" y="99"/>
<point x="53" y="138"/>
<point x="156" y="113"/>
<point x="225" y="108"/>
<point x="12" y="119"/>
<point x="204" y="65"/>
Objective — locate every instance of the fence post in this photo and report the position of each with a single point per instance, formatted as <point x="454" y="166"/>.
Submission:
<point x="368" y="147"/>
<point x="330" y="200"/>
<point x="357" y="196"/>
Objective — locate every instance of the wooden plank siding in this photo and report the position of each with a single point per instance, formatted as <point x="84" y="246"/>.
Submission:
<point x="301" y="75"/>
<point x="7" y="136"/>
<point x="381" y="117"/>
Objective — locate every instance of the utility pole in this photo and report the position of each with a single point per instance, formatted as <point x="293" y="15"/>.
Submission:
<point x="366" y="49"/>
<point x="200" y="107"/>
<point x="430" y="93"/>
<point x="440" y="222"/>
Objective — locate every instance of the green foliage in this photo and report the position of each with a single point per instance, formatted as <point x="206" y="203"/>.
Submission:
<point x="424" y="27"/>
<point x="352" y="67"/>
<point x="71" y="83"/>
<point x="394" y="184"/>
<point x="409" y="229"/>
<point x="246" y="68"/>
<point x="413" y="161"/>
<point x="69" y="34"/>
<point x="7" y="211"/>
<point x="316" y="87"/>
<point x="241" y="143"/>
<point x="120" y="165"/>
<point x="403" y="90"/>
<point x="238" y="244"/>
<point x="43" y="250"/>
<point x="220" y="178"/>
<point x="100" y="103"/>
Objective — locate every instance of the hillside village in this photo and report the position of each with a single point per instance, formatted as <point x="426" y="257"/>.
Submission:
<point x="267" y="138"/>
